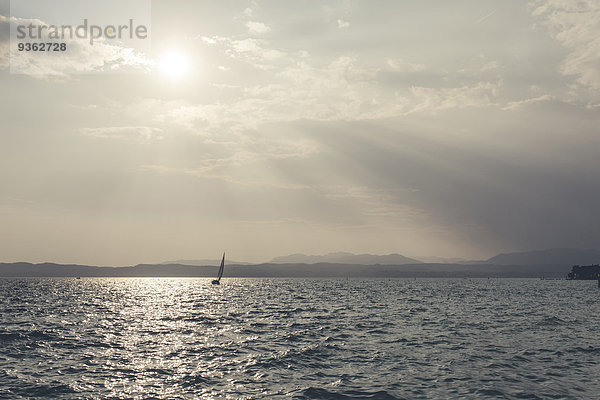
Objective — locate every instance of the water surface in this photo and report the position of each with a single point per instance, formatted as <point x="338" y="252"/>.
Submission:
<point x="299" y="338"/>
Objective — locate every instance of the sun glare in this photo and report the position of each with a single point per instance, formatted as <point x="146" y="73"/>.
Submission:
<point x="174" y="64"/>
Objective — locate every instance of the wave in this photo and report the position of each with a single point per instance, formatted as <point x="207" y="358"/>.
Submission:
<point x="26" y="336"/>
<point x="324" y="394"/>
<point x="552" y="321"/>
<point x="42" y="390"/>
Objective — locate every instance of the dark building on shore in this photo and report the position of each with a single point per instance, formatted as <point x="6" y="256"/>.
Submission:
<point x="585" y="272"/>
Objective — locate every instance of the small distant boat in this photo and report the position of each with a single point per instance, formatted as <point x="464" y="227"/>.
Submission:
<point x="220" y="275"/>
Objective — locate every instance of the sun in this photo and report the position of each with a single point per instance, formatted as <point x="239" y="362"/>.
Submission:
<point x="174" y="64"/>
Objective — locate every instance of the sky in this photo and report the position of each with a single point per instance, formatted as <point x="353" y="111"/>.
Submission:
<point x="265" y="128"/>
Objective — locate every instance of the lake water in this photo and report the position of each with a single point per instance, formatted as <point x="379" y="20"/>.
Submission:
<point x="299" y="338"/>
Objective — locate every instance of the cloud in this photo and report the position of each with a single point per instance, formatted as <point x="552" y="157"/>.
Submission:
<point x="246" y="46"/>
<point x="435" y="99"/>
<point x="516" y="104"/>
<point x="576" y="26"/>
<point x="342" y="24"/>
<point x="404" y="66"/>
<point x="342" y="90"/>
<point x="257" y="28"/>
<point x="254" y="52"/>
<point x="208" y="40"/>
<point x="282" y="82"/>
<point x="80" y="57"/>
<point x="135" y="133"/>
<point x="4" y="41"/>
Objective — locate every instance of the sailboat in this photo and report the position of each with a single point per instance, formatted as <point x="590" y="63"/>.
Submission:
<point x="221" y="268"/>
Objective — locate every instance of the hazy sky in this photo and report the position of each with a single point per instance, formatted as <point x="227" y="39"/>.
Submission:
<point x="456" y="129"/>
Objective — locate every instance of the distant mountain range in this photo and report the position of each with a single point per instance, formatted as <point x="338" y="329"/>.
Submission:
<point x="346" y="258"/>
<point x="205" y="262"/>
<point x="320" y="270"/>
<point x="555" y="257"/>
<point x="542" y="263"/>
<point x="568" y="257"/>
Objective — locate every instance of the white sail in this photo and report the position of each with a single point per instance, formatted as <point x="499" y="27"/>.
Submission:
<point x="220" y="274"/>
<point x="221" y="268"/>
